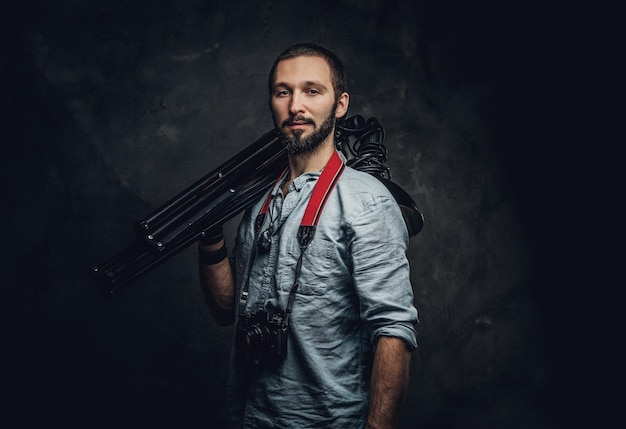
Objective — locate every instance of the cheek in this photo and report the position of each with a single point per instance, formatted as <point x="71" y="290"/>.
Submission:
<point x="278" y="110"/>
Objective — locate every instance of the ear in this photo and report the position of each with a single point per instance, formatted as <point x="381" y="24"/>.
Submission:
<point x="342" y="105"/>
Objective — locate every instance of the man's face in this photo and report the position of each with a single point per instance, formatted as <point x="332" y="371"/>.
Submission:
<point x="303" y="103"/>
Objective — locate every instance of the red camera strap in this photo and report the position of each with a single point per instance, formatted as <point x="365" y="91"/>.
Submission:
<point x="322" y="190"/>
<point x="323" y="187"/>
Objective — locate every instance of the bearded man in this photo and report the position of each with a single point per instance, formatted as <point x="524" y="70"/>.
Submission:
<point x="318" y="281"/>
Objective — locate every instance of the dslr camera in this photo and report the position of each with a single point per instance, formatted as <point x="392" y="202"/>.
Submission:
<point x="263" y="333"/>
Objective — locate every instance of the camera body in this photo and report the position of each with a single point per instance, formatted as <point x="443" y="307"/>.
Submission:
<point x="263" y="333"/>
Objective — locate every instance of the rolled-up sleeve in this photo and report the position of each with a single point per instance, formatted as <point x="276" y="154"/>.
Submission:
<point x="381" y="270"/>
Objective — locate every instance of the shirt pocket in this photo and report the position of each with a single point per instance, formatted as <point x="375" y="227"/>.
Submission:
<point x="315" y="271"/>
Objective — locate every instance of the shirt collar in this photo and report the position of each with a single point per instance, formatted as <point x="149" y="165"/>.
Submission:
<point x="303" y="179"/>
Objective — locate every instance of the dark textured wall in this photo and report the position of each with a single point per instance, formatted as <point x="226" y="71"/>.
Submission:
<point x="111" y="108"/>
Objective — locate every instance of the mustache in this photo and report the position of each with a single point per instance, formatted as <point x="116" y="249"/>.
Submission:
<point x="297" y="119"/>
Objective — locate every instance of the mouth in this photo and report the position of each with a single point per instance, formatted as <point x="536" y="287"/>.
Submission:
<point x="298" y="124"/>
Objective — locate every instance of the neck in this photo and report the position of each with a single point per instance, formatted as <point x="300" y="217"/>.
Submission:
<point x="300" y="164"/>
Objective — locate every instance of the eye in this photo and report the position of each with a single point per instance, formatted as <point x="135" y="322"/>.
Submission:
<point x="282" y="93"/>
<point x="313" y="91"/>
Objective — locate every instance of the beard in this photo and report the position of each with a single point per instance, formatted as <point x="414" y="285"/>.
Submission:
<point x="298" y="145"/>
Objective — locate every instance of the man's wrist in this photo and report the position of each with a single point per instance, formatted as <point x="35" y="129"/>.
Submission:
<point x="212" y="257"/>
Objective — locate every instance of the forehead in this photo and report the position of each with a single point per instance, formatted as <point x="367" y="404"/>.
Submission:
<point x="303" y="69"/>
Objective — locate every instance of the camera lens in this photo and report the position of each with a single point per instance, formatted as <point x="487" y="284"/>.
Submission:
<point x="253" y="336"/>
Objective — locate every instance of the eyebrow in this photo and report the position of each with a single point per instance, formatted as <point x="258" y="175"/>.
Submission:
<point x="307" y="83"/>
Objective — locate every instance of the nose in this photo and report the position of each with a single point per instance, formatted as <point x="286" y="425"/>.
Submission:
<point x="295" y="104"/>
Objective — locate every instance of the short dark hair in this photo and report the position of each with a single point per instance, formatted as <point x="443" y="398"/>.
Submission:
<point x="338" y="74"/>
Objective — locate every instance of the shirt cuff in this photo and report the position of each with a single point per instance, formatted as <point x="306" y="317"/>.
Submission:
<point x="405" y="332"/>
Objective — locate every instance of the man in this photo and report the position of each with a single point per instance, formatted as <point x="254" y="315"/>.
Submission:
<point x="325" y="326"/>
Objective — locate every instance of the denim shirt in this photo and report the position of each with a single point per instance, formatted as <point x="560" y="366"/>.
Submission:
<point x="354" y="287"/>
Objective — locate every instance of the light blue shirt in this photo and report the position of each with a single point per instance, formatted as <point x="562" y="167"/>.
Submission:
<point x="354" y="287"/>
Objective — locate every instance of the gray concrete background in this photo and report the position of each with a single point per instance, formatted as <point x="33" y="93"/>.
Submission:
<point x="115" y="107"/>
